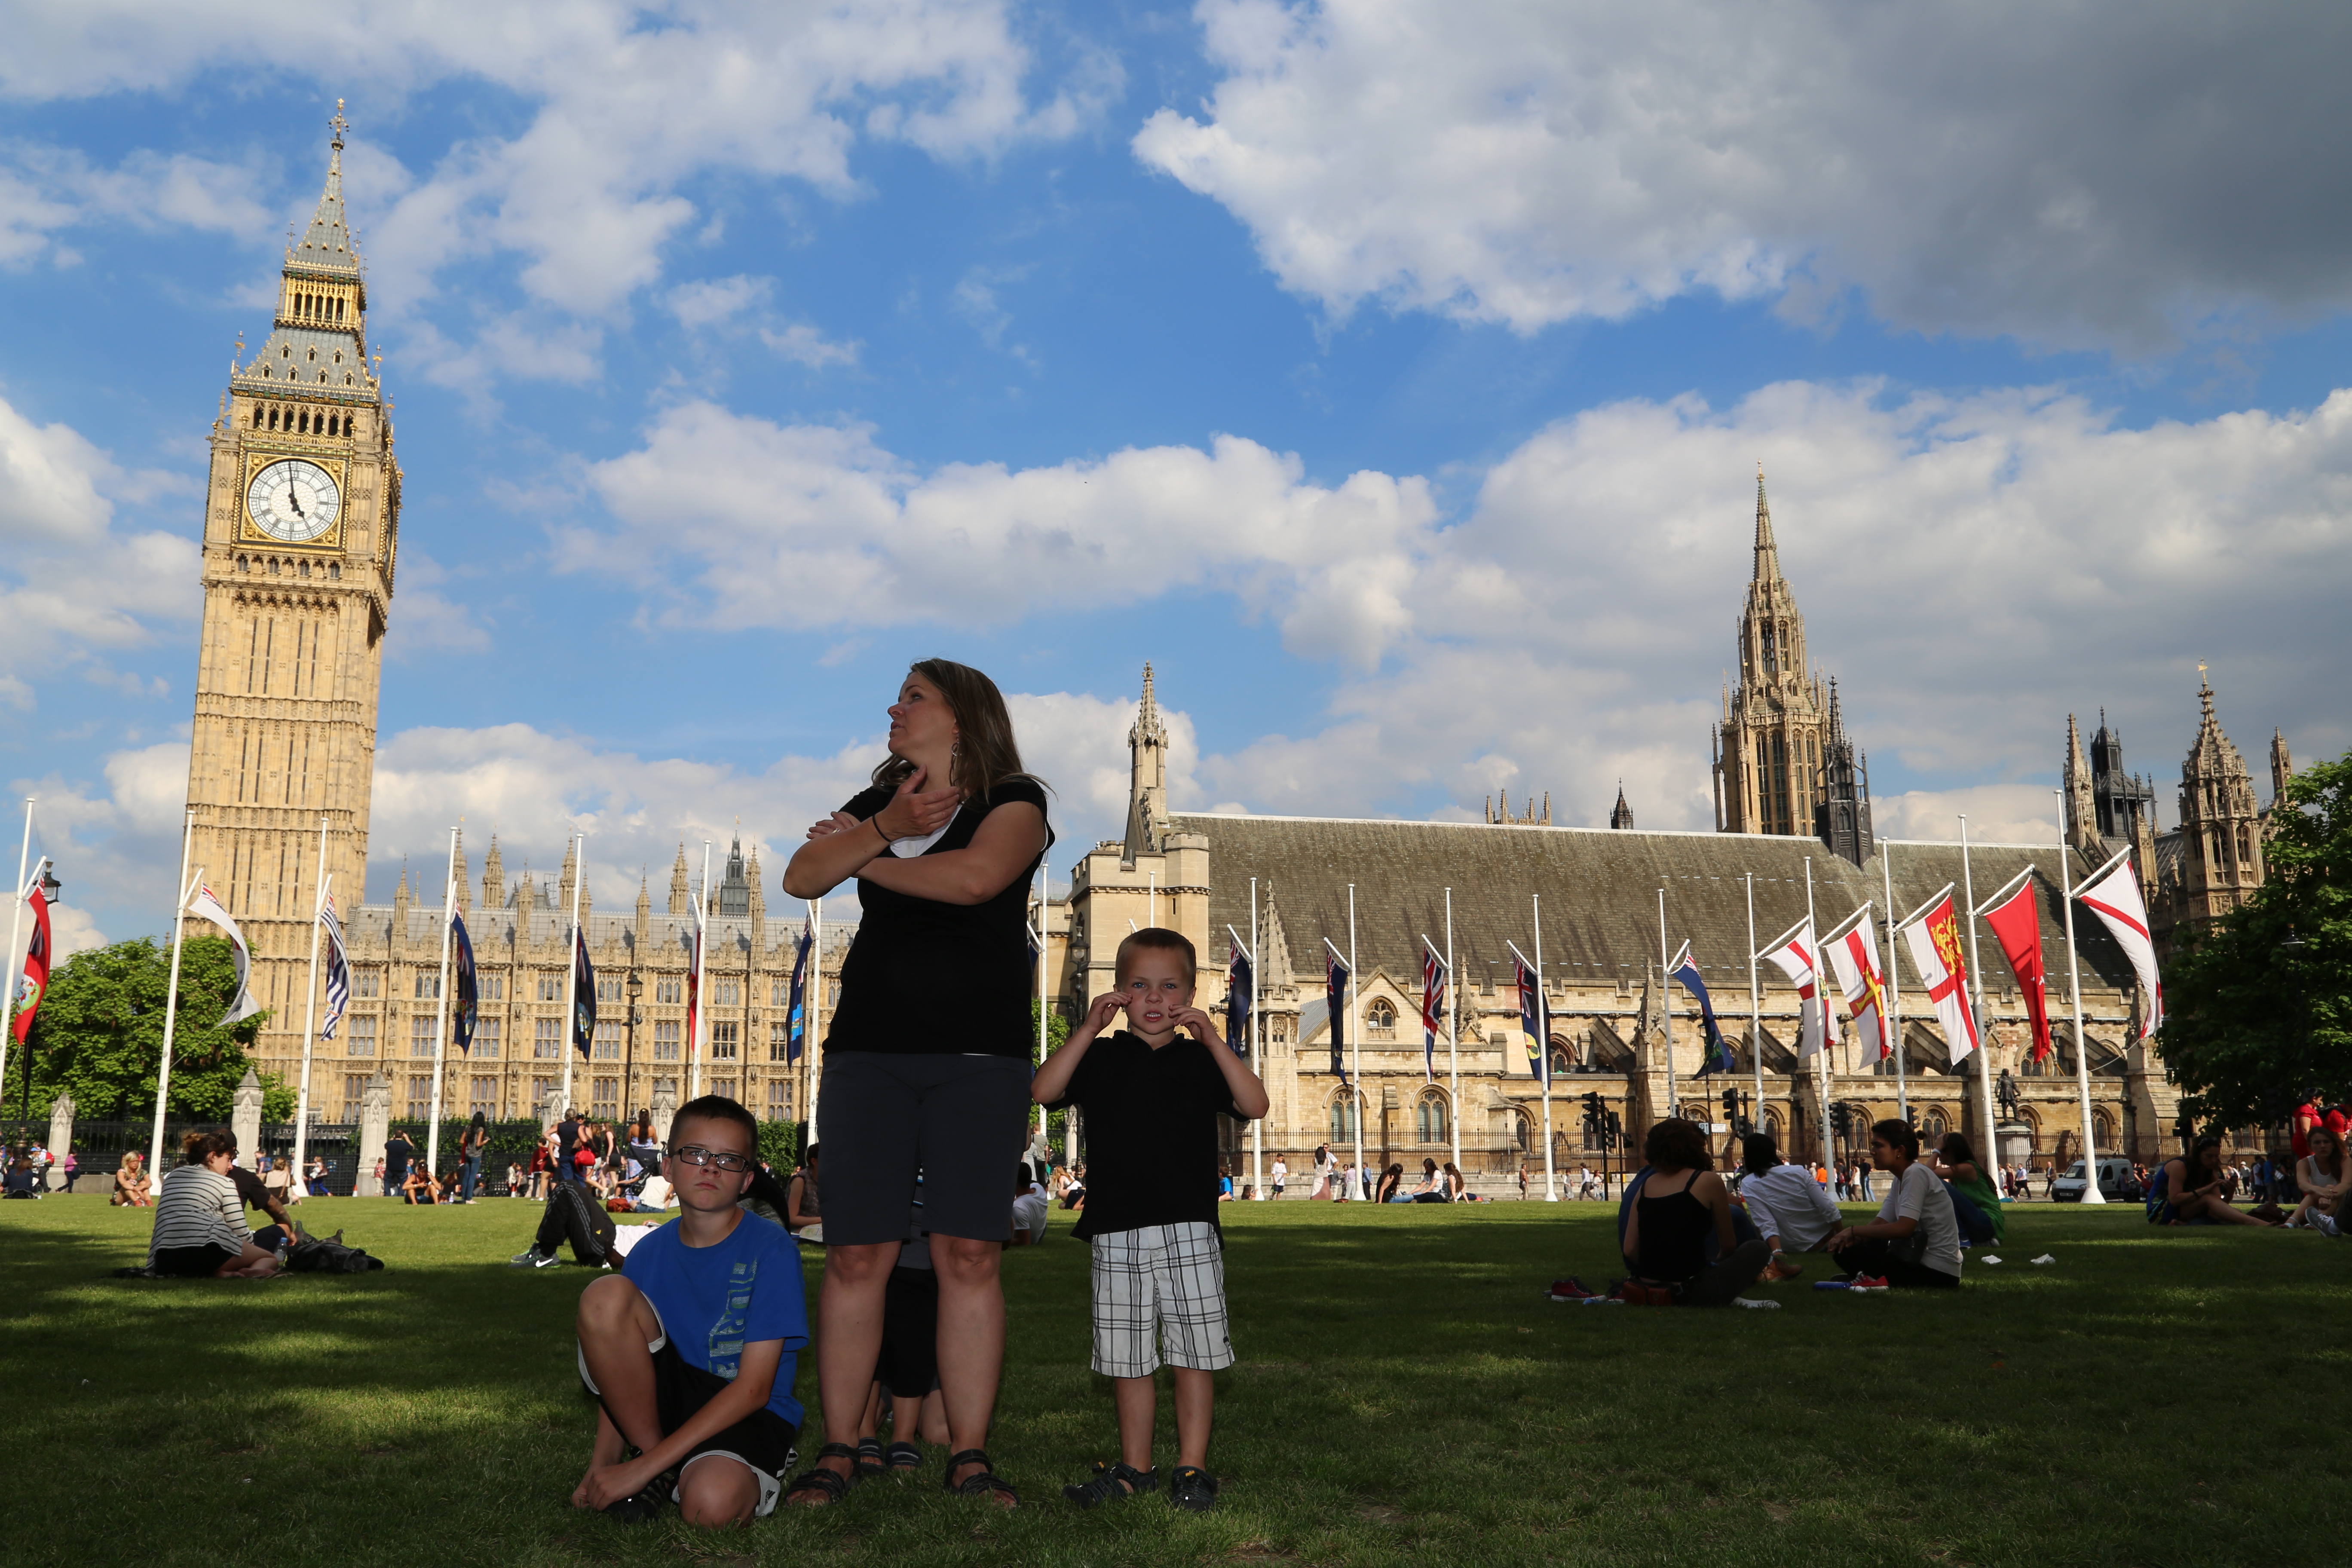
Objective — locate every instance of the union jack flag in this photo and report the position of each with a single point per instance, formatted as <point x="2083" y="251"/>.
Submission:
<point x="1432" y="1007"/>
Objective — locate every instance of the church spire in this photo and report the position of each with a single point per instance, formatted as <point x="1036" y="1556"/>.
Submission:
<point x="1767" y="553"/>
<point x="1146" y="790"/>
<point x="327" y="247"/>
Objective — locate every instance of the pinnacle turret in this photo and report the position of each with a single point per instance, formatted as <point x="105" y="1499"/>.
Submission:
<point x="1767" y="553"/>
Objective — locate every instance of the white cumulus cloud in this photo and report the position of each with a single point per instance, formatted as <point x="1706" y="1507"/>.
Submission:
<point x="2090" y="174"/>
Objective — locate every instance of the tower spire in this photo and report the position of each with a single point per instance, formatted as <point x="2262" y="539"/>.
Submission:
<point x="1767" y="553"/>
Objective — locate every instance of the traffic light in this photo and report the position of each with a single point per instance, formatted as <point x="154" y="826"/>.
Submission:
<point x="1593" y="1109"/>
<point x="1616" y="1131"/>
<point x="1731" y="1105"/>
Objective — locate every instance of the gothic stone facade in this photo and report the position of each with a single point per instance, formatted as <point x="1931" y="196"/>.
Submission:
<point x="1599" y="886"/>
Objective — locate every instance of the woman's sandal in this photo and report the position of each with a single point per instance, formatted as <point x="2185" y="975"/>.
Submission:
<point x="831" y="1484"/>
<point x="869" y="1458"/>
<point x="905" y="1457"/>
<point x="982" y="1482"/>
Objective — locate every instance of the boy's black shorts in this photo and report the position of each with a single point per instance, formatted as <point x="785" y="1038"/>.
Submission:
<point x="909" y="1365"/>
<point x="762" y="1440"/>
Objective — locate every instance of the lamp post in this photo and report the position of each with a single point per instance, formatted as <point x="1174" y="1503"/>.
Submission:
<point x="636" y="988"/>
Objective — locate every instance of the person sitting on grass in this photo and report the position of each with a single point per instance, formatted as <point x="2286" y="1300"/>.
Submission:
<point x="1955" y="1160"/>
<point x="1681" y="1201"/>
<point x="2189" y="1190"/>
<point x="130" y="1181"/>
<point x="1390" y="1188"/>
<point x="419" y="1187"/>
<point x="690" y="1349"/>
<point x="802" y="1197"/>
<point x="200" y="1230"/>
<point x="2323" y="1175"/>
<point x="1789" y="1210"/>
<point x="1030" y="1212"/>
<point x="1151" y="1100"/>
<point x="1915" y="1242"/>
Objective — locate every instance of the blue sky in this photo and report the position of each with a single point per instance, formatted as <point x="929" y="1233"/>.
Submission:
<point x="1391" y="375"/>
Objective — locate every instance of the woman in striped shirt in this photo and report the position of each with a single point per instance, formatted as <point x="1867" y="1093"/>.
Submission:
<point x="200" y="1229"/>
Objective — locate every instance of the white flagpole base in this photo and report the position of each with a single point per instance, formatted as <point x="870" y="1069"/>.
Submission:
<point x="2091" y="1194"/>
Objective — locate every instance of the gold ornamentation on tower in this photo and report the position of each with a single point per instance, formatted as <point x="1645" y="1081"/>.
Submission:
<point x="301" y="525"/>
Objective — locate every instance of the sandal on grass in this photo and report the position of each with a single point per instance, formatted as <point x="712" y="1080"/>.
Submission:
<point x="1113" y="1480"/>
<point x="905" y="1456"/>
<point x="869" y="1458"/>
<point x="982" y="1482"/>
<point x="830" y="1485"/>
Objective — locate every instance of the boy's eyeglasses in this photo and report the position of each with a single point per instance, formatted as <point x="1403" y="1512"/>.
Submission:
<point x="725" y="1159"/>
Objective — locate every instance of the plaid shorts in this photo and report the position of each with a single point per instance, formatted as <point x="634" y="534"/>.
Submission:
<point x="1160" y="1284"/>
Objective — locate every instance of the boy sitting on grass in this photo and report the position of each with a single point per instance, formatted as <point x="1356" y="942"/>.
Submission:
<point x="688" y="1349"/>
<point x="1151" y="1100"/>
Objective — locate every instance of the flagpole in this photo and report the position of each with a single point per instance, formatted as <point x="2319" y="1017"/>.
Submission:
<point x="441" y="997"/>
<point x="571" y="966"/>
<point x="1894" y="985"/>
<point x="1042" y="1053"/>
<point x="1991" y="1152"/>
<point x="1257" y="1053"/>
<point x="2091" y="1194"/>
<point x="172" y="999"/>
<point x="814" y="1003"/>
<point x="1543" y="1053"/>
<point x="1452" y="1035"/>
<point x="694" y="1052"/>
<point x="1754" y="1003"/>
<point x="16" y="960"/>
<point x="1665" y="1006"/>
<point x="1356" y="1044"/>
<point x="1822" y="1073"/>
<point x="309" y="1019"/>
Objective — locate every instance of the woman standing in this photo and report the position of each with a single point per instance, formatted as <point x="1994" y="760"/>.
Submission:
<point x="470" y="1150"/>
<point x="927" y="1063"/>
<point x="1323" y="1164"/>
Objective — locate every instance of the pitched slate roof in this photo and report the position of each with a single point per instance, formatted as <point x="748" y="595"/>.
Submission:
<point x="1599" y="890"/>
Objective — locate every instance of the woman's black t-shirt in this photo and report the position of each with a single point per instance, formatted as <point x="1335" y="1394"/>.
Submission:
<point x="911" y="955"/>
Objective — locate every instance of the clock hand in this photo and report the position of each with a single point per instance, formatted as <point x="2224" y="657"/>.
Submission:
<point x="297" y="502"/>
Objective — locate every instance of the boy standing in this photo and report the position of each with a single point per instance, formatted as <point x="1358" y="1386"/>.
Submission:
<point x="690" y="1349"/>
<point x="1151" y="1099"/>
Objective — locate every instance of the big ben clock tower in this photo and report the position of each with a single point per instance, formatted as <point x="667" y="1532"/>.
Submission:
<point x="301" y="525"/>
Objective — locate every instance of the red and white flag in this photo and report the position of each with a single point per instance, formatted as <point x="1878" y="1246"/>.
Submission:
<point x="2113" y="894"/>
<point x="2016" y="923"/>
<point x="33" y="983"/>
<point x="204" y="906"/>
<point x="1854" y="959"/>
<point x="1939" y="952"/>
<point x="1796" y="954"/>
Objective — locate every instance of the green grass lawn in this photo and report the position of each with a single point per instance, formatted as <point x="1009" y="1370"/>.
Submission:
<point x="1405" y="1395"/>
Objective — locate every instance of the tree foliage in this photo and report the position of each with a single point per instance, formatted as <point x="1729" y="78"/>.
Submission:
<point x="99" y="1035"/>
<point x="2255" y="1023"/>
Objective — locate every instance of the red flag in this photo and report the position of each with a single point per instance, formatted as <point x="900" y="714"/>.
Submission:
<point x="34" y="981"/>
<point x="2018" y="925"/>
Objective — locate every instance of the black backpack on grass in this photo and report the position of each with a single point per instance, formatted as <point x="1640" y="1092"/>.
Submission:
<point x="329" y="1255"/>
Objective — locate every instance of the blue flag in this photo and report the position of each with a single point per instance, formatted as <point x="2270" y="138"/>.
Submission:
<point x="583" y="993"/>
<point x="1241" y="985"/>
<point x="1718" y="1050"/>
<point x="796" y="1014"/>
<point x="1335" y="998"/>
<point x="1532" y="1020"/>
<point x="466" y="999"/>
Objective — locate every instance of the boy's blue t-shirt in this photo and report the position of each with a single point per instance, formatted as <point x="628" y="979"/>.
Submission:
<point x="714" y="1300"/>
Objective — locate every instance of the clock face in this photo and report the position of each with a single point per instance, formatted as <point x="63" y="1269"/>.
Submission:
<point x="294" y="501"/>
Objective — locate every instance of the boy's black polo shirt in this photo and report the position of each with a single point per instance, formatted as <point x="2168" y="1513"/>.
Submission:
<point x="1151" y="1131"/>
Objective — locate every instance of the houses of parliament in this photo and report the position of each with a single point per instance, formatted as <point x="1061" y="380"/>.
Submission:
<point x="300" y="545"/>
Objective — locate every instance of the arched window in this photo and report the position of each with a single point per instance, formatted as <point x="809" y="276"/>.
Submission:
<point x="1932" y="1126"/>
<point x="244" y="563"/>
<point x="1343" y="1119"/>
<point x="1522" y="1131"/>
<point x="2102" y="1128"/>
<point x="1379" y="1020"/>
<point x="1429" y="1119"/>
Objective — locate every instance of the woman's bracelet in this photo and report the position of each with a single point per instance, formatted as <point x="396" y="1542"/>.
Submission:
<point x="875" y="822"/>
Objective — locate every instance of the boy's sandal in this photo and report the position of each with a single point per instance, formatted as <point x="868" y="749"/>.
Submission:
<point x="982" y="1482"/>
<point x="1113" y="1480"/>
<point x="905" y="1456"/>
<point x="869" y="1458"/>
<point x="831" y="1484"/>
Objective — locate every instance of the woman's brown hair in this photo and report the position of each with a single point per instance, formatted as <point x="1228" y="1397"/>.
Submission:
<point x="986" y="753"/>
<point x="199" y="1146"/>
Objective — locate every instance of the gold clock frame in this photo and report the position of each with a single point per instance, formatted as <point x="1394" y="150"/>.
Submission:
<point x="257" y="458"/>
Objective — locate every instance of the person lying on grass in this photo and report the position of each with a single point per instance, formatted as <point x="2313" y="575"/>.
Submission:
<point x="1151" y="1100"/>
<point x="1915" y="1242"/>
<point x="1790" y="1211"/>
<point x="200" y="1229"/>
<point x="2190" y="1190"/>
<point x="690" y="1350"/>
<point x="1681" y="1203"/>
